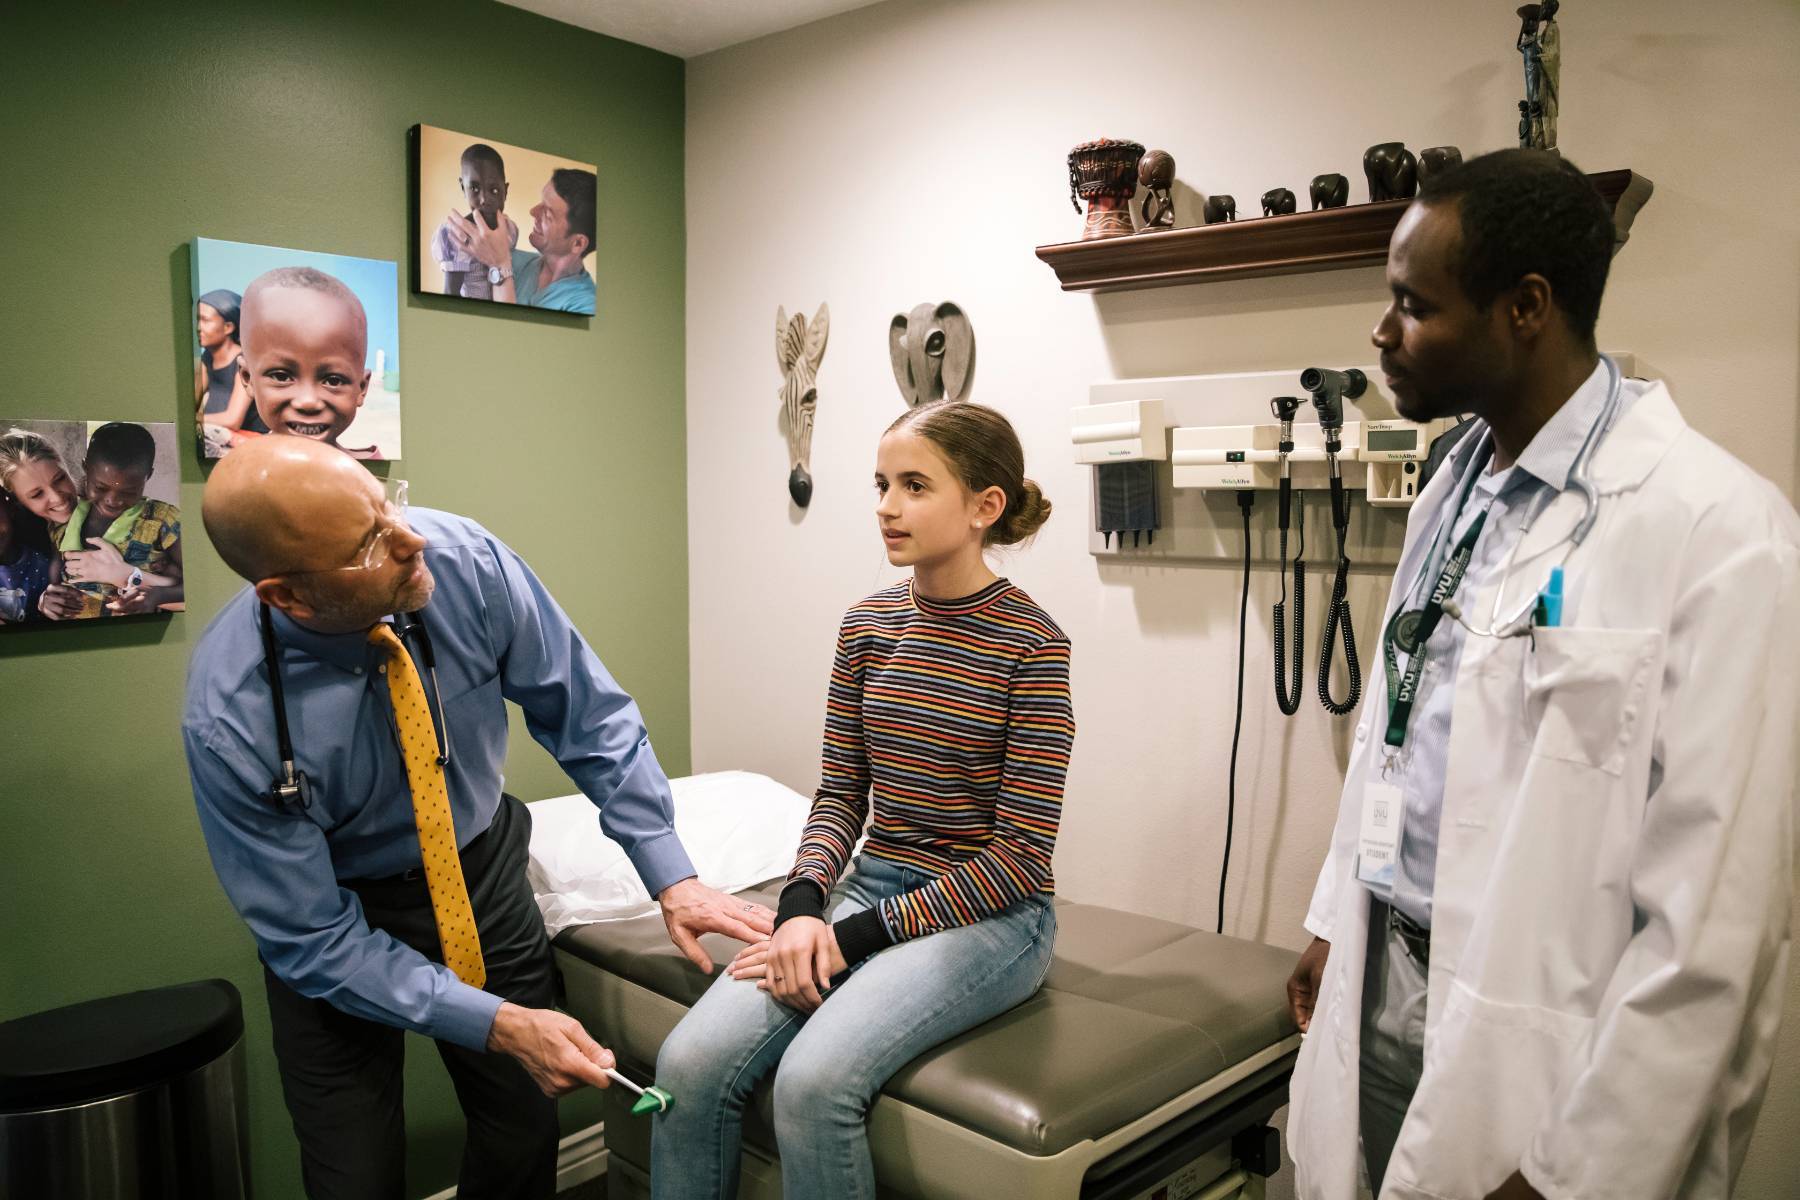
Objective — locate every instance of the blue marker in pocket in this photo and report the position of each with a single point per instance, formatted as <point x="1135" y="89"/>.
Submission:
<point x="1550" y="601"/>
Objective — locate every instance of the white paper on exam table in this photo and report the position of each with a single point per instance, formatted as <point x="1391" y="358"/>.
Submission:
<point x="739" y="828"/>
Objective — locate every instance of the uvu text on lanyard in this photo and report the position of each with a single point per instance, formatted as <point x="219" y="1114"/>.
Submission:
<point x="1410" y="629"/>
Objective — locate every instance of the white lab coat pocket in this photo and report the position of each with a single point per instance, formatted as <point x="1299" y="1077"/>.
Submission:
<point x="1585" y="689"/>
<point x="1492" y="1072"/>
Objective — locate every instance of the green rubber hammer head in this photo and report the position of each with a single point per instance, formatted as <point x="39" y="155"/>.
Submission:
<point x="654" y="1100"/>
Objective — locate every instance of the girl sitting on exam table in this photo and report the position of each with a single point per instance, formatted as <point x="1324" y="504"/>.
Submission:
<point x="949" y="718"/>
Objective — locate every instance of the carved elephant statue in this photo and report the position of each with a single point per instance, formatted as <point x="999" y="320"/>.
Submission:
<point x="799" y="349"/>
<point x="1435" y="160"/>
<point x="1392" y="171"/>
<point x="1278" y="202"/>
<point x="1219" y="208"/>
<point x="933" y="351"/>
<point x="1330" y="191"/>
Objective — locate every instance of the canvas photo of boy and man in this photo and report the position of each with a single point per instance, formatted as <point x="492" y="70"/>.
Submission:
<point x="297" y="342"/>
<point x="90" y="520"/>
<point x="503" y="224"/>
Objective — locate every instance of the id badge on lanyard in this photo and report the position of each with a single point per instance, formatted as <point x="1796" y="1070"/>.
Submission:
<point x="1378" y="840"/>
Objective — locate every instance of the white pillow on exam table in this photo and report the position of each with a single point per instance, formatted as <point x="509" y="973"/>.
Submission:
<point x="738" y="828"/>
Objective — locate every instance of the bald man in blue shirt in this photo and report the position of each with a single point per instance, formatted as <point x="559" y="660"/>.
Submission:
<point x="331" y="884"/>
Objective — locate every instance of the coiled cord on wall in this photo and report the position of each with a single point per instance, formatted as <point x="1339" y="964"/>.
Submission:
<point x="1337" y="615"/>
<point x="1287" y="693"/>
<point x="1245" y="499"/>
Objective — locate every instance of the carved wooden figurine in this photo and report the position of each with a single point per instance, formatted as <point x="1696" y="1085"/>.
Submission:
<point x="1540" y="44"/>
<point x="1156" y="175"/>
<point x="1435" y="160"/>
<point x="1392" y="171"/>
<point x="1219" y="207"/>
<point x="798" y="351"/>
<point x="1330" y="191"/>
<point x="1278" y="202"/>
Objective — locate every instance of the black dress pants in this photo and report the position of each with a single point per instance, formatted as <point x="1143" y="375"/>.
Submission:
<point x="341" y="1075"/>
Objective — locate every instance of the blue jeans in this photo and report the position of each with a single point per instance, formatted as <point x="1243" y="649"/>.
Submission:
<point x="894" y="1006"/>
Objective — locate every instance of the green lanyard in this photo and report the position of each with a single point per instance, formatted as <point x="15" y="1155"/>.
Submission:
<point x="1410" y="629"/>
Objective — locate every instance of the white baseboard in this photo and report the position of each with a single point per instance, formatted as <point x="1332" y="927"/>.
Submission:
<point x="579" y="1157"/>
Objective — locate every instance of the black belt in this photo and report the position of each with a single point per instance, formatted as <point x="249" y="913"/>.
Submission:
<point x="475" y="856"/>
<point x="1414" y="936"/>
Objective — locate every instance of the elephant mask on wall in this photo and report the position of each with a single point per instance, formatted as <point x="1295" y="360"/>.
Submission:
<point x="1392" y="171"/>
<point x="799" y="349"/>
<point x="933" y="350"/>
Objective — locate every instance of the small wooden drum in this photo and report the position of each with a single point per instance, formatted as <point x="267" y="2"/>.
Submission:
<point x="1104" y="173"/>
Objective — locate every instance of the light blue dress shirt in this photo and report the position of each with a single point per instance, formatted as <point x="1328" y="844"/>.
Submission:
<point x="498" y="636"/>
<point x="572" y="293"/>
<point x="1513" y="498"/>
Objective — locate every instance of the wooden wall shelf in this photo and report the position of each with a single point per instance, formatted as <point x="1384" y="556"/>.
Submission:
<point x="1329" y="239"/>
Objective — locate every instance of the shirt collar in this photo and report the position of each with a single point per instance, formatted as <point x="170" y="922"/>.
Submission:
<point x="349" y="651"/>
<point x="1551" y="454"/>
<point x="959" y="607"/>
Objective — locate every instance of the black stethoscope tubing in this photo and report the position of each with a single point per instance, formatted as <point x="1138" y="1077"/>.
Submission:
<point x="291" y="788"/>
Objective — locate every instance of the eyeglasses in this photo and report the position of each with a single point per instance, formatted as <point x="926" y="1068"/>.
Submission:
<point x="375" y="549"/>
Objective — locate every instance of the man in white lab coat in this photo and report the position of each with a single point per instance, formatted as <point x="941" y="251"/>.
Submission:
<point x="1551" y="936"/>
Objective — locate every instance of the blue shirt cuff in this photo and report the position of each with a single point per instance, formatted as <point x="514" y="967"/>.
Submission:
<point x="661" y="861"/>
<point x="464" y="1015"/>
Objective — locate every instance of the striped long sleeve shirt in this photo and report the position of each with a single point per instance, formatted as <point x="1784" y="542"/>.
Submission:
<point x="948" y="728"/>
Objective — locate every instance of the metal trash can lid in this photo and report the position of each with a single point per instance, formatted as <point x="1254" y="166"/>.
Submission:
<point x="107" y="1047"/>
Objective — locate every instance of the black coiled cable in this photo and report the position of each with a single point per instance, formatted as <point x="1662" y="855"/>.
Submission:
<point x="1337" y="615"/>
<point x="1245" y="499"/>
<point x="1287" y="694"/>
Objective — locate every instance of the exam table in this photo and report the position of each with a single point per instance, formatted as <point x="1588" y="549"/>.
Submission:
<point x="1146" y="1068"/>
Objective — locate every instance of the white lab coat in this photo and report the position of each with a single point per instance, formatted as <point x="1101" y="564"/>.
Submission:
<point x="1610" y="935"/>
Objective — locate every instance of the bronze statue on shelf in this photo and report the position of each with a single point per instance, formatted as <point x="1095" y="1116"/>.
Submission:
<point x="1435" y="160"/>
<point x="1540" y="44"/>
<point x="1156" y="175"/>
<point x="1278" y="202"/>
<point x="799" y="349"/>
<point x="1219" y="207"/>
<point x="1330" y="191"/>
<point x="1392" y="171"/>
<point x="1104" y="173"/>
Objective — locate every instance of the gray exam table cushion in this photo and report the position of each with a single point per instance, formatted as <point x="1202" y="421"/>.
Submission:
<point x="1135" y="1012"/>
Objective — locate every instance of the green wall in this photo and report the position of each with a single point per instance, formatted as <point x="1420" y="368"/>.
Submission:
<point x="130" y="129"/>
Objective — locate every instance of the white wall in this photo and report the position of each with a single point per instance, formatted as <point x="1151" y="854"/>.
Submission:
<point x="914" y="151"/>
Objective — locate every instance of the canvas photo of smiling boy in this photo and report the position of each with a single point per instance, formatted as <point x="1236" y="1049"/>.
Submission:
<point x="295" y="342"/>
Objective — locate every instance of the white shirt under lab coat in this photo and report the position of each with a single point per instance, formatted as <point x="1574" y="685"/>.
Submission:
<point x="1609" y="937"/>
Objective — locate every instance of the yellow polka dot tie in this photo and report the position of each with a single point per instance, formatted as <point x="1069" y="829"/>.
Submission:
<point x="431" y="811"/>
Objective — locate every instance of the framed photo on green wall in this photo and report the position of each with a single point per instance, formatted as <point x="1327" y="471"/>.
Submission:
<point x="90" y="520"/>
<point x="502" y="224"/>
<point x="295" y="341"/>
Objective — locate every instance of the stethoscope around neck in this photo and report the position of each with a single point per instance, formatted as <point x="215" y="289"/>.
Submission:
<point x="291" y="788"/>
<point x="1519" y="622"/>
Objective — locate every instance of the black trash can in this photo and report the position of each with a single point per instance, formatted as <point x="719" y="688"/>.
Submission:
<point x="134" y="1097"/>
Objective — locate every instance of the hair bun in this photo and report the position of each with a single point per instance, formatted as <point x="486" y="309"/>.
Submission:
<point x="1026" y="515"/>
